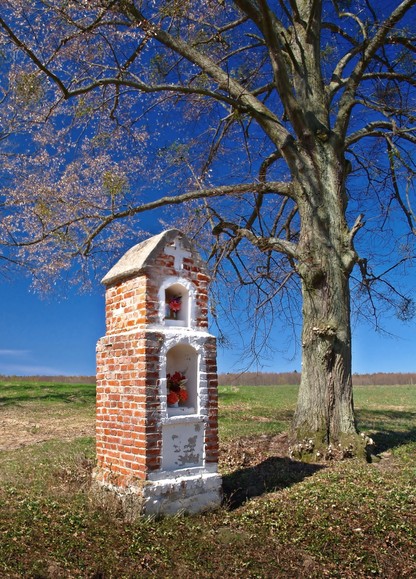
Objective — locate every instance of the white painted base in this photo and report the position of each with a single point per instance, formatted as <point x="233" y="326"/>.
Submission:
<point x="170" y="496"/>
<point x="191" y="494"/>
<point x="180" y="411"/>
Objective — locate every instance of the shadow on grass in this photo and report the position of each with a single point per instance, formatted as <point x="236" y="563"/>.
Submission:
<point x="272" y="474"/>
<point x="386" y="417"/>
<point x="389" y="439"/>
<point x="388" y="428"/>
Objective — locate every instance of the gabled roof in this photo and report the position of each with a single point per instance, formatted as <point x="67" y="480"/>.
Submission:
<point x="138" y="257"/>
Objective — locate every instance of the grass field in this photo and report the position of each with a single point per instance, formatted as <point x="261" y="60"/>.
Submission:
<point x="280" y="518"/>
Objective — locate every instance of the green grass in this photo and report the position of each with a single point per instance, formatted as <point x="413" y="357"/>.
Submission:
<point x="388" y="413"/>
<point x="342" y="519"/>
<point x="13" y="393"/>
<point x="255" y="410"/>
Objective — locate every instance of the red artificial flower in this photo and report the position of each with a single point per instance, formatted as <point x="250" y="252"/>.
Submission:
<point x="176" y="378"/>
<point x="173" y="398"/>
<point x="175" y="391"/>
<point x="183" y="395"/>
<point x="175" y="304"/>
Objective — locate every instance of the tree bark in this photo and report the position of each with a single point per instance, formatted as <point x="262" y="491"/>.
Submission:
<point x="325" y="410"/>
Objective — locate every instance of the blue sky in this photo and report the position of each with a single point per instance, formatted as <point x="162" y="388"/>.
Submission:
<point x="46" y="335"/>
<point x="58" y="336"/>
<point x="51" y="336"/>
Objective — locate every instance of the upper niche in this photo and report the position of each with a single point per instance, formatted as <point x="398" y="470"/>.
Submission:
<point x="176" y="305"/>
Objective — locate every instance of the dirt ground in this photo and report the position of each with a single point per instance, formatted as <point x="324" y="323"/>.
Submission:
<point x="25" y="425"/>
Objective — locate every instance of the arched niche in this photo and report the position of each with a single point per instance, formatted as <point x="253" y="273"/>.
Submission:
<point x="183" y="360"/>
<point x="176" y="304"/>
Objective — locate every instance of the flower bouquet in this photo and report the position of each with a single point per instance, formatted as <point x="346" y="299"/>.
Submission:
<point x="176" y="389"/>
<point x="174" y="305"/>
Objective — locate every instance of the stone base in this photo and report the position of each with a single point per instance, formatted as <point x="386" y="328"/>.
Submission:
<point x="177" y="495"/>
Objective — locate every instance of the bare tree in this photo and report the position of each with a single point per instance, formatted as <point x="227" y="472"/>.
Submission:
<point x="287" y="128"/>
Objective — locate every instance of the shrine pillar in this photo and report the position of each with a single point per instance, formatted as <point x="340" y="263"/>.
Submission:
<point x="157" y="419"/>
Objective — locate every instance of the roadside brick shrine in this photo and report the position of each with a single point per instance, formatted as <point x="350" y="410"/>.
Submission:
<point x="157" y="428"/>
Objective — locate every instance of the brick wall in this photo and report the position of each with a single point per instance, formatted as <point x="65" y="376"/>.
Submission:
<point x="211" y="438"/>
<point x="128" y="409"/>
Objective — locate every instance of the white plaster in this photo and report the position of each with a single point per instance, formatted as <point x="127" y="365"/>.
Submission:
<point x="173" y="451"/>
<point x="180" y="411"/>
<point x="178" y="252"/>
<point x="193" y="493"/>
<point x="142" y="255"/>
<point x="187" y="494"/>
<point x="191" y="365"/>
<point x="189" y="302"/>
<point x="180" y="419"/>
<point x="161" y="475"/>
<point x="182" y="444"/>
<point x="136" y="258"/>
<point x="175" y="323"/>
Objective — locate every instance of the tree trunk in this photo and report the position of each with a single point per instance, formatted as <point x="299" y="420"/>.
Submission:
<point x="325" y="410"/>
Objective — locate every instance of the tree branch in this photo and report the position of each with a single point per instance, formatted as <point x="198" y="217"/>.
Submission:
<point x="271" y="187"/>
<point x="245" y="99"/>
<point x="34" y="58"/>
<point x="369" y="49"/>
<point x="262" y="243"/>
<point x="379" y="128"/>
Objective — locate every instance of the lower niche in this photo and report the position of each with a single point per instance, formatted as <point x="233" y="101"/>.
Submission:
<point x="182" y="380"/>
